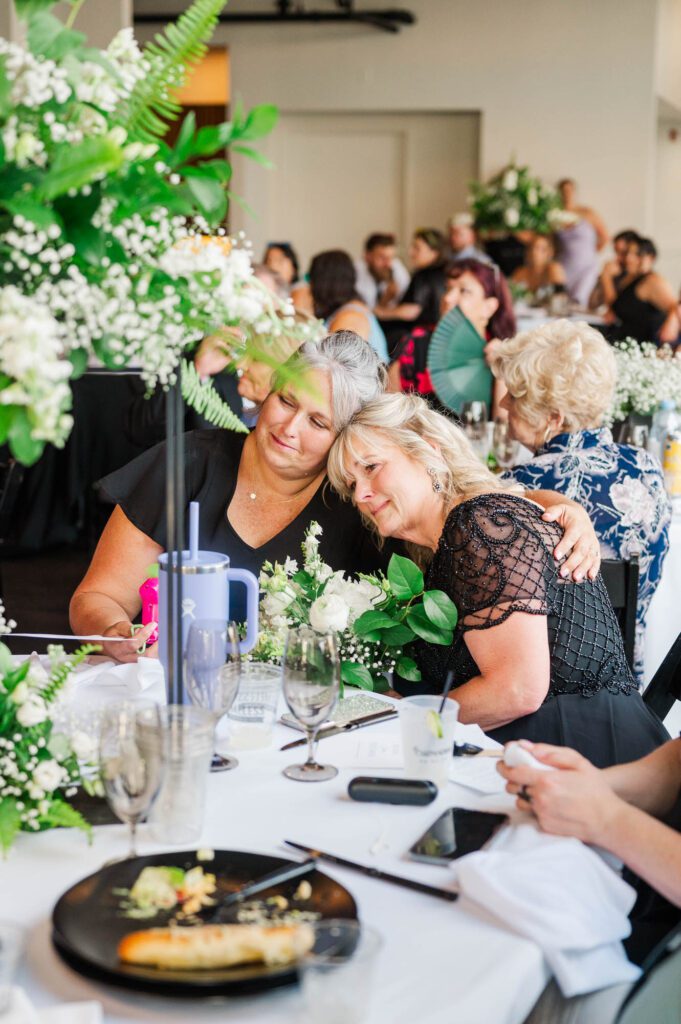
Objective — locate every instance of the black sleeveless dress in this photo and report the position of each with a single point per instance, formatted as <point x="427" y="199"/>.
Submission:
<point x="637" y="319"/>
<point x="495" y="557"/>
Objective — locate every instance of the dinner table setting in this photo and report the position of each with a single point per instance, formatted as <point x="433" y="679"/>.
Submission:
<point x="476" y="938"/>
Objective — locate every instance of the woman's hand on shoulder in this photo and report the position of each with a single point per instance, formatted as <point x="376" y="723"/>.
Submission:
<point x="579" y="545"/>
<point x="131" y="647"/>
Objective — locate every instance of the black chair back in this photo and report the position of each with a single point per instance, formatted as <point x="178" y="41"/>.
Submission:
<point x="665" y="686"/>
<point x="621" y="582"/>
<point x="656" y="997"/>
<point x="11" y="476"/>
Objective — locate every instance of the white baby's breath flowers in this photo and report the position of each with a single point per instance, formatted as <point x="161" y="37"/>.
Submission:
<point x="646" y="376"/>
<point x="6" y="625"/>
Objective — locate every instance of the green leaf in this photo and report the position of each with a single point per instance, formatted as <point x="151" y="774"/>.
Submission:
<point x="7" y="413"/>
<point x="23" y="446"/>
<point x="28" y="8"/>
<point x="210" y="198"/>
<point x="215" y="170"/>
<point x="356" y="675"/>
<point x="5" y="660"/>
<point x="408" y="669"/>
<point x="75" y="166"/>
<point x="184" y="146"/>
<point x="10" y="823"/>
<point x="5" y="89"/>
<point x="78" y="358"/>
<point x="63" y="815"/>
<point x="37" y="213"/>
<point x="405" y="577"/>
<point x="48" y="38"/>
<point x="259" y="121"/>
<point x="440" y="609"/>
<point x="370" y="621"/>
<point x="255" y="155"/>
<point x="89" y="242"/>
<point x="397" y="635"/>
<point x="423" y="627"/>
<point x="209" y="140"/>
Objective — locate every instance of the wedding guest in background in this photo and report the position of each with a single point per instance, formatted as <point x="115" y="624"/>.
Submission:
<point x="541" y="274"/>
<point x="382" y="278"/>
<point x="633" y="811"/>
<point x="560" y="380"/>
<point x="614" y="273"/>
<point x="526" y="656"/>
<point x="463" y="239"/>
<point x="579" y="243"/>
<point x="645" y="306"/>
<point x="421" y="301"/>
<point x="333" y="286"/>
<point x="281" y="258"/>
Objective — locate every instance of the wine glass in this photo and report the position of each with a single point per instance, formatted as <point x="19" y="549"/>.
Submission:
<point x="132" y="756"/>
<point x="212" y="673"/>
<point x="311" y="683"/>
<point x="474" y="422"/>
<point x="505" y="448"/>
<point x="635" y="434"/>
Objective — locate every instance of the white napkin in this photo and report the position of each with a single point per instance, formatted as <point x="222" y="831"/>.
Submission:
<point x="559" y="893"/>
<point x="478" y="773"/>
<point x="122" y="680"/>
<point x="22" y="1011"/>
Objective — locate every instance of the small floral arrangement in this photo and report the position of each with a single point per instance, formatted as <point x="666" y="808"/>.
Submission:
<point x="111" y="244"/>
<point x="37" y="765"/>
<point x="513" y="200"/>
<point x="377" y="618"/>
<point x="646" y="375"/>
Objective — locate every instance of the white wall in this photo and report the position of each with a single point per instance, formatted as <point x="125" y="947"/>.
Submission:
<point x="668" y="71"/>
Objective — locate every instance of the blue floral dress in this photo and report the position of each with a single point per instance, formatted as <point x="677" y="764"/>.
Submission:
<point x="622" y="489"/>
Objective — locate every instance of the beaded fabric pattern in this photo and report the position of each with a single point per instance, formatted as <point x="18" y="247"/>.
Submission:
<point x="495" y="557"/>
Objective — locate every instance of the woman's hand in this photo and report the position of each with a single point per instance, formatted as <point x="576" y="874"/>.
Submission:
<point x="575" y="800"/>
<point x="579" y="541"/>
<point x="132" y="647"/>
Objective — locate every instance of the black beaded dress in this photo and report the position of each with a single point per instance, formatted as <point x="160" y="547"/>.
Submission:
<point x="495" y="557"/>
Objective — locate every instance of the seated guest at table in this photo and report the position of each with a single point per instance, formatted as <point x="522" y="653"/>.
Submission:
<point x="534" y="654"/>
<point x="463" y="239"/>
<point x="421" y="301"/>
<point x="281" y="258"/>
<point x="579" y="243"/>
<point x="541" y="274"/>
<point x="382" y="278"/>
<point x="614" y="273"/>
<point x="481" y="292"/>
<point x="634" y="811"/>
<point x="645" y="306"/>
<point x="333" y="285"/>
<point x="258" y="493"/>
<point x="560" y="380"/>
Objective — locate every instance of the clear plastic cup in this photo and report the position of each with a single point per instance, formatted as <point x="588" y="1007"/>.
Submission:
<point x="254" y="710"/>
<point x="336" y="977"/>
<point x="177" y="815"/>
<point x="427" y="737"/>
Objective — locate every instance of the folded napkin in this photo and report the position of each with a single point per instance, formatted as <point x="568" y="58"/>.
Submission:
<point x="559" y="893"/>
<point x="22" y="1011"/>
<point x="120" y="680"/>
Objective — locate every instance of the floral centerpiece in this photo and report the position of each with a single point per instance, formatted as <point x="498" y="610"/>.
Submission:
<point x="377" y="617"/>
<point x="646" y="375"/>
<point x="38" y="768"/>
<point x="111" y="243"/>
<point x="513" y="200"/>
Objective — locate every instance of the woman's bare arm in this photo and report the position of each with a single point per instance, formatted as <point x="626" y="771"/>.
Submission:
<point x="107" y="599"/>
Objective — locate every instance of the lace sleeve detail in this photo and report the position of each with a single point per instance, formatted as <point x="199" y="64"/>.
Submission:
<point x="497" y="552"/>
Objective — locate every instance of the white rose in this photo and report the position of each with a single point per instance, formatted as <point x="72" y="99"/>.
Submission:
<point x="276" y="604"/>
<point x="532" y="196"/>
<point x="510" y="180"/>
<point x="511" y="217"/>
<point x="48" y="775"/>
<point x="20" y="693"/>
<point x="32" y="712"/>
<point x="359" y="596"/>
<point x="329" y="612"/>
<point x="82" y="745"/>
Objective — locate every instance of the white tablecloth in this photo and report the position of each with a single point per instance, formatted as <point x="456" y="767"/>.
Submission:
<point x="664" y="613"/>
<point x="440" y="963"/>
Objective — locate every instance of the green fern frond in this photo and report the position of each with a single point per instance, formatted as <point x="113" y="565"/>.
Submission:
<point x="204" y="399"/>
<point x="63" y="670"/>
<point x="181" y="45"/>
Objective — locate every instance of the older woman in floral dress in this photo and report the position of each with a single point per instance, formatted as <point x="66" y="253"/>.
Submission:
<point x="560" y="379"/>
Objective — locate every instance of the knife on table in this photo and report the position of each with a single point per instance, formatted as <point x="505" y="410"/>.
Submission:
<point x="336" y="730"/>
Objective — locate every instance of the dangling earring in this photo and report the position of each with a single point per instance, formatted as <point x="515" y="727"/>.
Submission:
<point x="547" y="435"/>
<point x="432" y="473"/>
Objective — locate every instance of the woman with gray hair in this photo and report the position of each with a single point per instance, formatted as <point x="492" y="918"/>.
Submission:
<point x="535" y="655"/>
<point x="560" y="380"/>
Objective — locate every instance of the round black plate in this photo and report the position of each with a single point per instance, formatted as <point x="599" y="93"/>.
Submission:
<point x="88" y="924"/>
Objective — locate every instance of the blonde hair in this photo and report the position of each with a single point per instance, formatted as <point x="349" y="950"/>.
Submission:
<point x="562" y="367"/>
<point x="407" y="422"/>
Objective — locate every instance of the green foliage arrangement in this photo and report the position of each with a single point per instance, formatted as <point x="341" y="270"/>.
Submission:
<point x="514" y="200"/>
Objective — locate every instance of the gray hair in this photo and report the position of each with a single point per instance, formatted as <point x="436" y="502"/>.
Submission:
<point x="356" y="373"/>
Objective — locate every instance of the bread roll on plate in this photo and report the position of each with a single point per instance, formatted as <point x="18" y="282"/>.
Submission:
<point x="216" y="945"/>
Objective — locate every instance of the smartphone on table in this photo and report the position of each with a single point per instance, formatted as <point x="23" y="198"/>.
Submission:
<point x="456" y="832"/>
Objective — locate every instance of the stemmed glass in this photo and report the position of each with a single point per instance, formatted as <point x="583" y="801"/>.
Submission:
<point x="212" y="673"/>
<point x="132" y="756"/>
<point x="503" y="445"/>
<point x="311" y="683"/>
<point x="474" y="422"/>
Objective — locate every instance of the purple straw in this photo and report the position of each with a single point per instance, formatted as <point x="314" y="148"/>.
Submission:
<point x="193" y="530"/>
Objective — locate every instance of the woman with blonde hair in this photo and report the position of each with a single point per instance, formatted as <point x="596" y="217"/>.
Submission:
<point x="560" y="380"/>
<point x="534" y="654"/>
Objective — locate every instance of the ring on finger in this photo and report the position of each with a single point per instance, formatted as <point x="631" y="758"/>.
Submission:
<point x="525" y="794"/>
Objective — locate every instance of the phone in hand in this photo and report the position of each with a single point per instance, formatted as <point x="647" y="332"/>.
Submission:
<point x="456" y="832"/>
